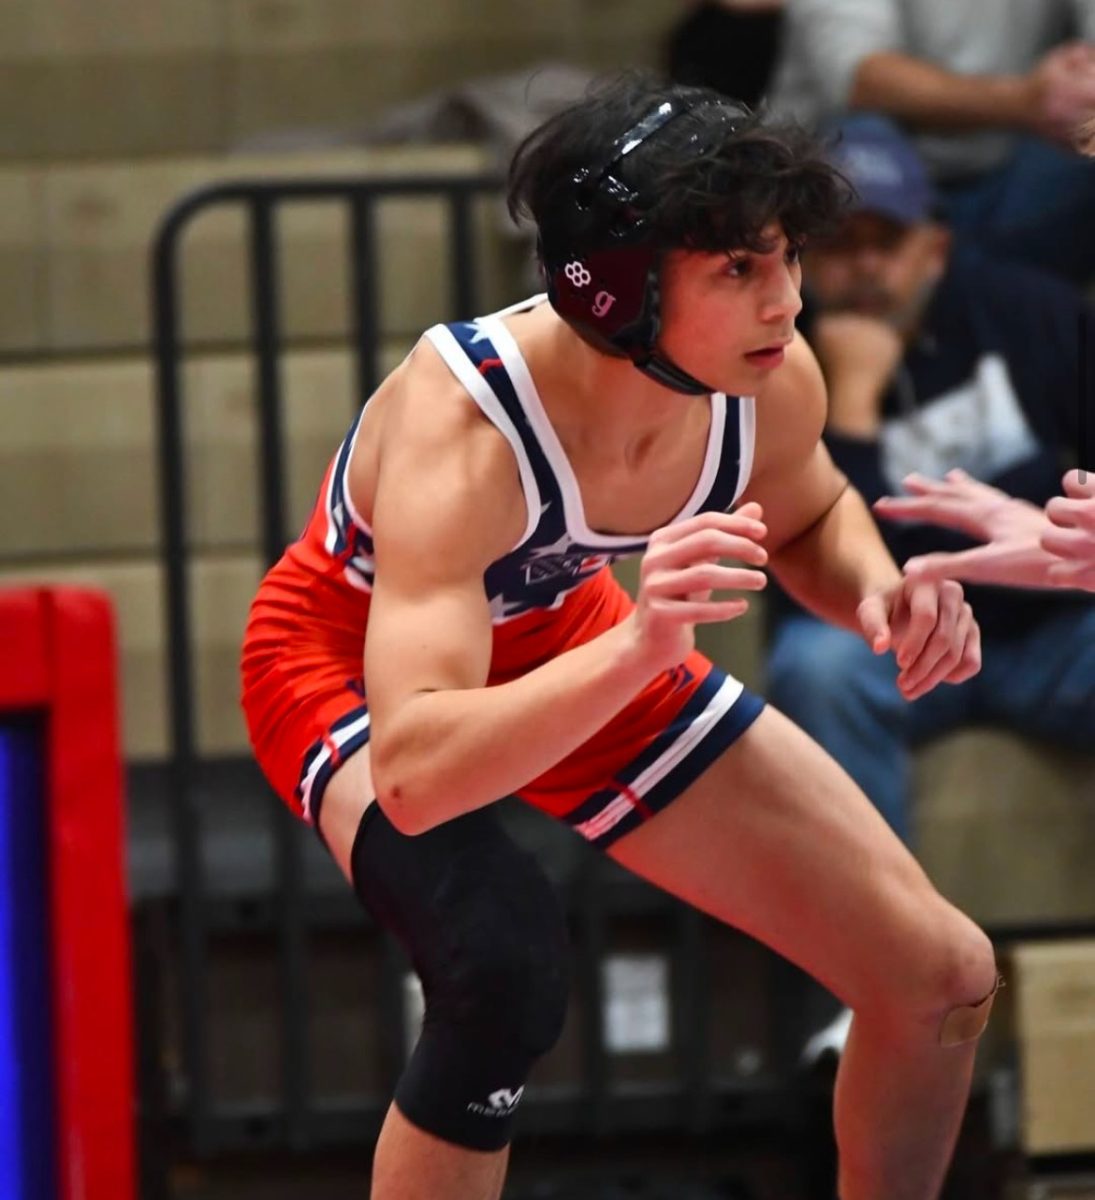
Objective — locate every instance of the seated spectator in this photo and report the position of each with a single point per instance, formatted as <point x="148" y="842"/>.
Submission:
<point x="995" y="102"/>
<point x="1025" y="546"/>
<point x="729" y="45"/>
<point x="936" y="357"/>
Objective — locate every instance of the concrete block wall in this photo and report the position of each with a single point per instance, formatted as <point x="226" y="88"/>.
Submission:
<point x="121" y="79"/>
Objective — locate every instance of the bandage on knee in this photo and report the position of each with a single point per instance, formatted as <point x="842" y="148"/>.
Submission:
<point x="967" y="1023"/>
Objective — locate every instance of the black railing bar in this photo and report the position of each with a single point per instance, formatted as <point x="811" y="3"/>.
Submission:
<point x="463" y="267"/>
<point x="184" y="814"/>
<point x="691" y="1018"/>
<point x="332" y="187"/>
<point x="363" y="296"/>
<point x="266" y="336"/>
<point x="266" y="341"/>
<point x="592" y="945"/>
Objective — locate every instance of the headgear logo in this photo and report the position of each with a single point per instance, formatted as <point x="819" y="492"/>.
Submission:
<point x="602" y="302"/>
<point x="577" y="274"/>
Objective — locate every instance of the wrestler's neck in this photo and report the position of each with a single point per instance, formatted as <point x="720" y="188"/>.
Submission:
<point x="593" y="395"/>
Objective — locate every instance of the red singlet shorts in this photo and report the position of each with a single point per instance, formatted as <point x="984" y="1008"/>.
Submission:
<point x="306" y="707"/>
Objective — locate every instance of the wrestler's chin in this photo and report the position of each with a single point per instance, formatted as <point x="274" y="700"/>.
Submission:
<point x="748" y="377"/>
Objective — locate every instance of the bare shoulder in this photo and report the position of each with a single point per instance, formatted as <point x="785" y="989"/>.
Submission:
<point x="791" y="410"/>
<point x="435" y="466"/>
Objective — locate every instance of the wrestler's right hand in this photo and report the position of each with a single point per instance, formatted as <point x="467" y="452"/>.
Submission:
<point x="682" y="567"/>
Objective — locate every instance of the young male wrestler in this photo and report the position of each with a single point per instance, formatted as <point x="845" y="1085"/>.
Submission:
<point x="657" y="403"/>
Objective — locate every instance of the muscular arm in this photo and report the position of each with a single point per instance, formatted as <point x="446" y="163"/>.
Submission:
<point x="823" y="544"/>
<point x="448" y="502"/>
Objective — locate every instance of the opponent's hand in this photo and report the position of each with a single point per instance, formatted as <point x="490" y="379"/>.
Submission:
<point x="961" y="502"/>
<point x="1020" y="562"/>
<point x="681" y="569"/>
<point x="1070" y="534"/>
<point x="930" y="629"/>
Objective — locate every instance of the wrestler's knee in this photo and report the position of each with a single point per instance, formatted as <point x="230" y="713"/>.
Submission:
<point x="940" y="982"/>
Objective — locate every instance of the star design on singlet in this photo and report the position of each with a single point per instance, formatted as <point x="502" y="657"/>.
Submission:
<point x="502" y="609"/>
<point x="556" y="549"/>
<point x="482" y="334"/>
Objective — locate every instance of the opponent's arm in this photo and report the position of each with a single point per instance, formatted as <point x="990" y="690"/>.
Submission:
<point x="1025" y="546"/>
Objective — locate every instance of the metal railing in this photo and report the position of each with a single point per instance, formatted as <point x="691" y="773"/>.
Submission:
<point x="261" y="202"/>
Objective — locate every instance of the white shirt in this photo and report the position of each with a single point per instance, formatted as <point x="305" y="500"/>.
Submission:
<point x="825" y="41"/>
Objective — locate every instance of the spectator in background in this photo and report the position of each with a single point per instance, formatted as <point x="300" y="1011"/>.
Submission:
<point x="936" y="357"/>
<point x="728" y="45"/>
<point x="994" y="93"/>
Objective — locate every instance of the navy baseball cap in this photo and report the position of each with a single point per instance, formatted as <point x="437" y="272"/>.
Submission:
<point x="884" y="166"/>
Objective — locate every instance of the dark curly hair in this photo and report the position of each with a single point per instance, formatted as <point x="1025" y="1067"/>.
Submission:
<point x="712" y="179"/>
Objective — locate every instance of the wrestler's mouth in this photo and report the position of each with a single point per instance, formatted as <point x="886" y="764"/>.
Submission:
<point x="768" y="356"/>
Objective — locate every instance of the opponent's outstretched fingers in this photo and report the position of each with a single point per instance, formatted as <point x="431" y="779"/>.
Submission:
<point x="1067" y="574"/>
<point x="1072" y="513"/>
<point x="1080" y="485"/>
<point x="924" y="485"/>
<point x="982" y="564"/>
<point x="1076" y="545"/>
<point x="934" y="508"/>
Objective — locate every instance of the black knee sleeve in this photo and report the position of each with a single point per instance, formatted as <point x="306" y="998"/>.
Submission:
<point x="488" y="939"/>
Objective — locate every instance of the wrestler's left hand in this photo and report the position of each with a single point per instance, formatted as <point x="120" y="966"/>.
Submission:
<point x="930" y="629"/>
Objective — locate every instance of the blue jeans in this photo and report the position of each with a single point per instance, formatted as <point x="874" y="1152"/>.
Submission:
<point x="1037" y="208"/>
<point x="827" y="681"/>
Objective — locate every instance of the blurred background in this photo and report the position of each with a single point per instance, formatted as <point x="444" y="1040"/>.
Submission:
<point x="221" y="222"/>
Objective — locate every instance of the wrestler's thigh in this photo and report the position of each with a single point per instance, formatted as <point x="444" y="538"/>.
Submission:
<point x="347" y="795"/>
<point x="775" y="839"/>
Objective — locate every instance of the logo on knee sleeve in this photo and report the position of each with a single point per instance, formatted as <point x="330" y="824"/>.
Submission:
<point x="499" y="1104"/>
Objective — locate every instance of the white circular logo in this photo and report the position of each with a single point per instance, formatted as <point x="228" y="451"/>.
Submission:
<point x="577" y="274"/>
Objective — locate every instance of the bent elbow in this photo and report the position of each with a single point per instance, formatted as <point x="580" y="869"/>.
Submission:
<point x="405" y="817"/>
<point x="398" y="801"/>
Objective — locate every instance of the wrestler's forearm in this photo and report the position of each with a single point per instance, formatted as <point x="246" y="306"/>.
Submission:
<point x="836" y="563"/>
<point x="448" y="752"/>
